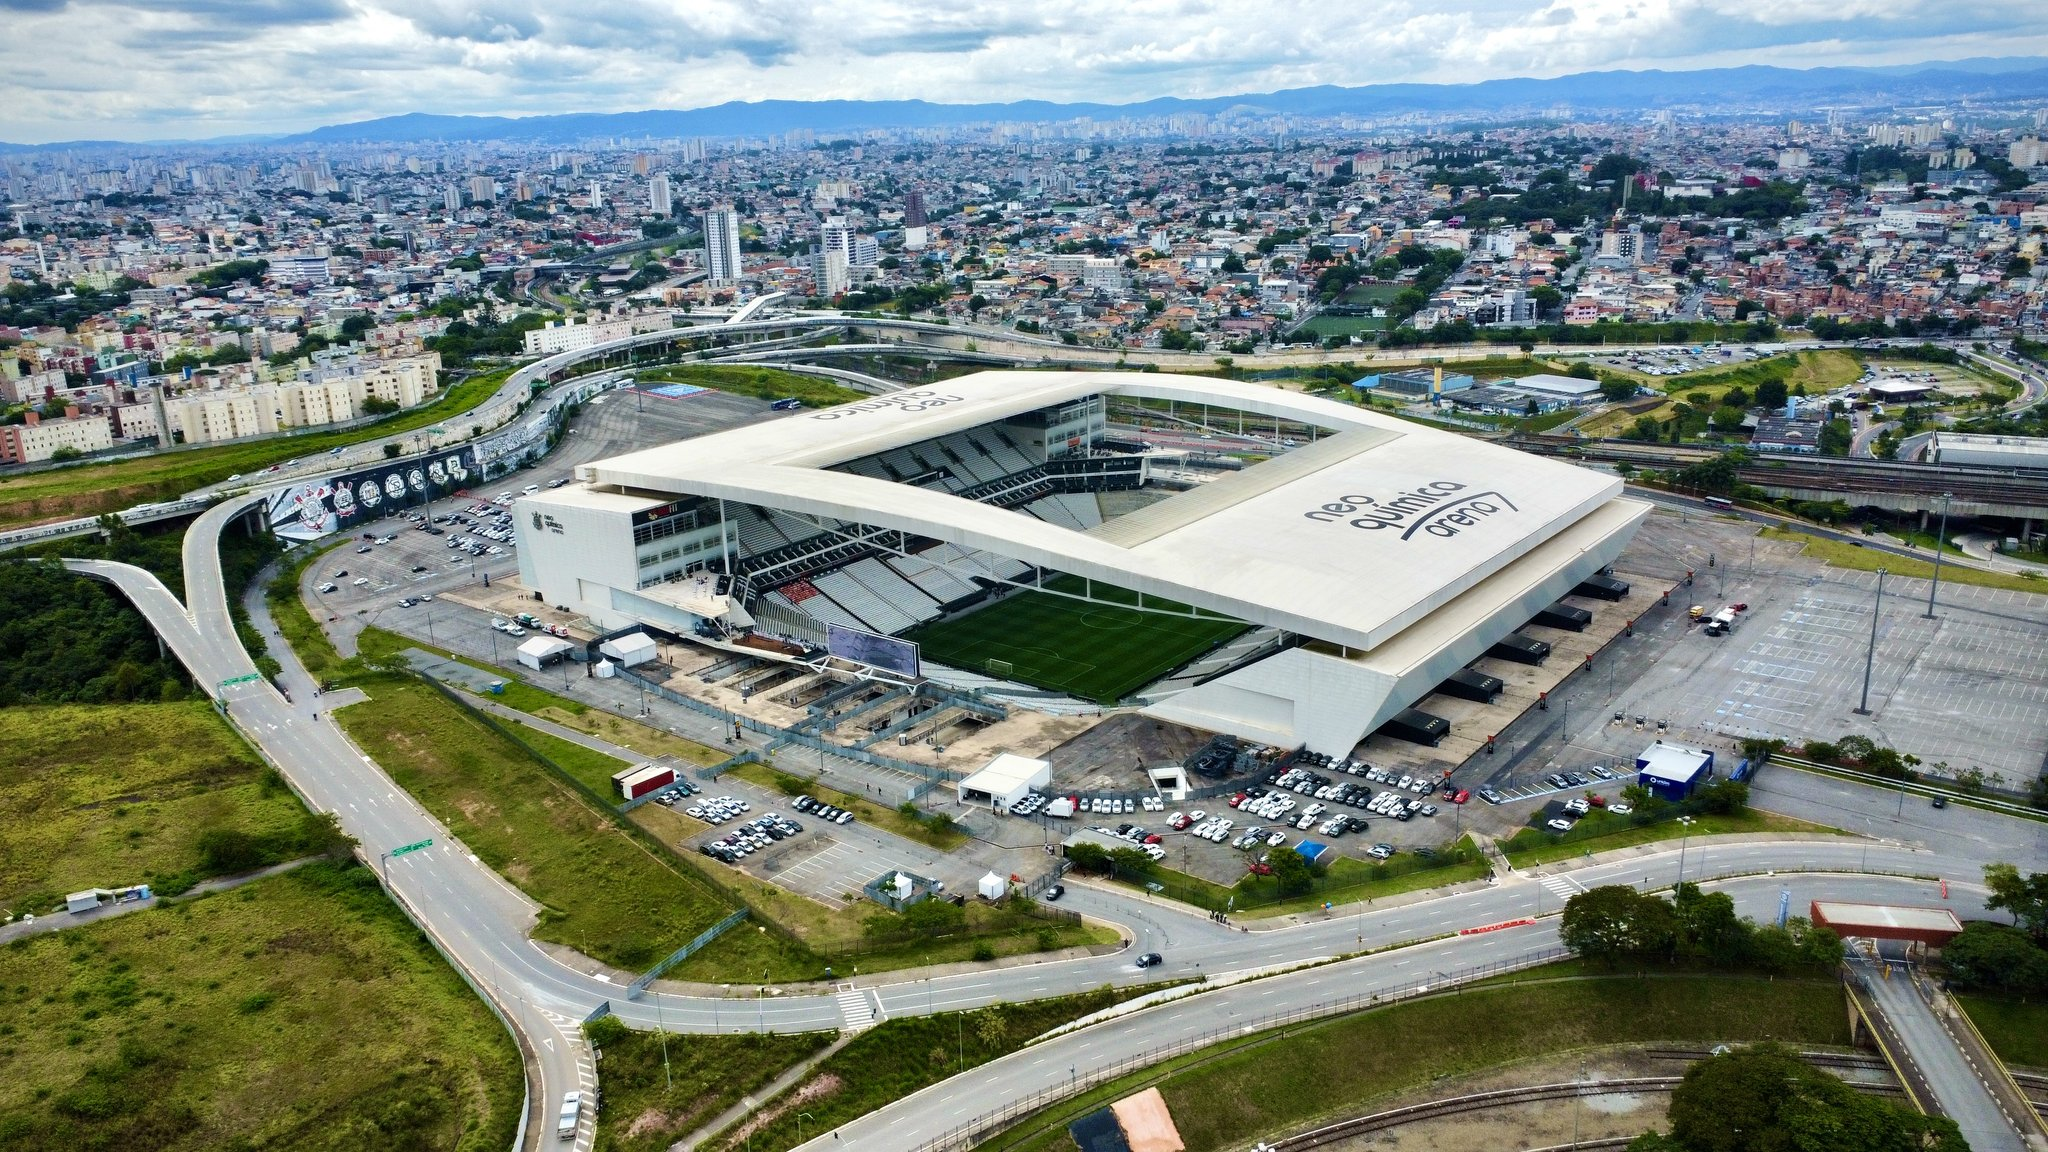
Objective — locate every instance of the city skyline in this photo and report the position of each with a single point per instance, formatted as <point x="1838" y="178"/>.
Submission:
<point x="197" y="69"/>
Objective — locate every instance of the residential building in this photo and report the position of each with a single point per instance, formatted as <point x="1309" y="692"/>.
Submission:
<point x="659" y="200"/>
<point x="722" y="244"/>
<point x="38" y="439"/>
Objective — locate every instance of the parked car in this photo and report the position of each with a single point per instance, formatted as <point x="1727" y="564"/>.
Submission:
<point x="1559" y="825"/>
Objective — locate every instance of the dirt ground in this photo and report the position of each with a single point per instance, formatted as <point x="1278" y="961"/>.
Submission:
<point x="1105" y="758"/>
<point x="1536" y="1125"/>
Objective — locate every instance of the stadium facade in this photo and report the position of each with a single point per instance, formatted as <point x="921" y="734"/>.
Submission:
<point x="1378" y="556"/>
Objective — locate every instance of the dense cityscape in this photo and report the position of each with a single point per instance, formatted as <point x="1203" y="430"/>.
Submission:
<point x="1495" y="614"/>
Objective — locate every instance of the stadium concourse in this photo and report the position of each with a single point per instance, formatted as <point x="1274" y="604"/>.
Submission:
<point x="1302" y="591"/>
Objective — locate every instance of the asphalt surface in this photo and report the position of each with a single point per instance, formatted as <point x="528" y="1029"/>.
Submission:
<point x="482" y="922"/>
<point x="1958" y="1093"/>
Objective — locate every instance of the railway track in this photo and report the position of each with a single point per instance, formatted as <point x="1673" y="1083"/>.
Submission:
<point x="1537" y="1093"/>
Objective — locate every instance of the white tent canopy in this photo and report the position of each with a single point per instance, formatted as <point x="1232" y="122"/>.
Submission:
<point x="630" y="649"/>
<point x="536" y="653"/>
<point x="993" y="886"/>
<point x="1005" y="780"/>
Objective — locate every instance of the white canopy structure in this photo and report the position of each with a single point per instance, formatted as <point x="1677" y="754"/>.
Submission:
<point x="539" y="651"/>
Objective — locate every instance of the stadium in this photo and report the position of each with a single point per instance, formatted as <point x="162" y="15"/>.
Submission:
<point x="1227" y="556"/>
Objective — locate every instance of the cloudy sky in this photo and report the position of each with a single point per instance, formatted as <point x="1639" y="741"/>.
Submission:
<point x="170" y="69"/>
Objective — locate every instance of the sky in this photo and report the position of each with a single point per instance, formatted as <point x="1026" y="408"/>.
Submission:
<point x="191" y="69"/>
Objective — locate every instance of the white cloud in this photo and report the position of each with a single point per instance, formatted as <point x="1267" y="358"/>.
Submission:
<point x="191" y="68"/>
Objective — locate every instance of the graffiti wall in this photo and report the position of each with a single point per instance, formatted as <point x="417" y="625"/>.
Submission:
<point x="317" y="508"/>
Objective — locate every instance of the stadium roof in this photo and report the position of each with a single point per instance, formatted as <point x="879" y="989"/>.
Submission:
<point x="1350" y="539"/>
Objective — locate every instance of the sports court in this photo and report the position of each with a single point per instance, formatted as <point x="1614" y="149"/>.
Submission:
<point x="1094" y="649"/>
<point x="675" y="391"/>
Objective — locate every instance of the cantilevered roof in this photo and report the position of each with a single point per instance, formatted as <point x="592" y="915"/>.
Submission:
<point x="1349" y="542"/>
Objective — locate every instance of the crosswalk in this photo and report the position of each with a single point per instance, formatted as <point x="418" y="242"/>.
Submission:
<point x="1563" y="886"/>
<point x="856" y="1009"/>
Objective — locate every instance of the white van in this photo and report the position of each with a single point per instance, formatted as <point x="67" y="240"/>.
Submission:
<point x="572" y="1111"/>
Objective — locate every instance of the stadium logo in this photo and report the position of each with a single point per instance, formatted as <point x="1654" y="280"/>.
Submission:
<point x="1440" y="508"/>
<point x="916" y="401"/>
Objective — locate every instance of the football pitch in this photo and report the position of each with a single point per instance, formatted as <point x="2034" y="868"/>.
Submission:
<point x="1096" y="651"/>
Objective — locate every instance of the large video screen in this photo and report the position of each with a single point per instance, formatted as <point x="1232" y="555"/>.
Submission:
<point x="317" y="508"/>
<point x="884" y="652"/>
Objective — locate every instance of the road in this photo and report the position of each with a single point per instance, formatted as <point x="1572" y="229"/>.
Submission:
<point x="1958" y="1093"/>
<point x="482" y="923"/>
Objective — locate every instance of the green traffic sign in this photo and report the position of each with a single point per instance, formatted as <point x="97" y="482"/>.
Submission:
<point x="247" y="678"/>
<point x="411" y="848"/>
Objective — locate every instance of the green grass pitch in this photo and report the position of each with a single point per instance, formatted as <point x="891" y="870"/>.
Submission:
<point x="1095" y="651"/>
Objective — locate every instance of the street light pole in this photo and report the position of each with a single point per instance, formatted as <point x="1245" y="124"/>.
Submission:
<point x="1686" y="822"/>
<point x="1870" y="656"/>
<point x="1940" y="539"/>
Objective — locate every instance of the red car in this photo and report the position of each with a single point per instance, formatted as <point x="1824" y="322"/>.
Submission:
<point x="1740" y="607"/>
<point x="1461" y="795"/>
<point x="1153" y="838"/>
<point x="1261" y="868"/>
<point x="1596" y="800"/>
<point x="1237" y="799"/>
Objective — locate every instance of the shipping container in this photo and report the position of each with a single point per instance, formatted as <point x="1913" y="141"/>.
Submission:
<point x="1417" y="727"/>
<point x="1520" y="649"/>
<point x="1602" y="587"/>
<point x="1465" y="684"/>
<point x="1565" y="616"/>
<point x="636" y="782"/>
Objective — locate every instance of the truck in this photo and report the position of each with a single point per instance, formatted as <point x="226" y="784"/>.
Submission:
<point x="528" y="619"/>
<point x="1564" y="616"/>
<point x="638" y="781"/>
<point x="570" y="1116"/>
<point x="1466" y="684"/>
<point x="1520" y="649"/>
<point x="1721" y="623"/>
<point x="1060" y="807"/>
<point x="1417" y="727"/>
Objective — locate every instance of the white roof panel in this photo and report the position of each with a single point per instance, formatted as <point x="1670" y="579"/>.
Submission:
<point x="1352" y="550"/>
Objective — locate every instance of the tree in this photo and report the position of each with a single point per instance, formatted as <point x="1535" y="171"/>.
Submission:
<point x="990" y="1028"/>
<point x="1291" y="872"/>
<point x="1088" y="857"/>
<point x="1617" y="389"/>
<point x="1727" y="419"/>
<point x="976" y="303"/>
<point x="1708" y="927"/>
<point x="2026" y="897"/>
<point x="1997" y="956"/>
<point x="1614" y="922"/>
<point x="1130" y="863"/>
<point x="1764" y="1098"/>
<point x="1771" y="394"/>
<point x="391" y="451"/>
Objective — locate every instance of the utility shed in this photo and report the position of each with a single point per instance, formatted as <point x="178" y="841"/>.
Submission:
<point x="541" y="651"/>
<point x="1004" y="781"/>
<point x="1672" y="771"/>
<point x="1933" y="927"/>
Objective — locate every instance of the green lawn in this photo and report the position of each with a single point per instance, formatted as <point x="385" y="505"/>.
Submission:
<point x="606" y="893"/>
<point x="301" y="1011"/>
<point x="1097" y="651"/>
<point x="1230" y="1095"/>
<point x="759" y="383"/>
<point x="1843" y="555"/>
<point x="1348" y="879"/>
<point x="93" y="488"/>
<point x="2016" y="1029"/>
<point x="899" y="1057"/>
<point x="650" y="1103"/>
<point x="1602" y="831"/>
<point x="108" y="795"/>
<point x="1343" y="325"/>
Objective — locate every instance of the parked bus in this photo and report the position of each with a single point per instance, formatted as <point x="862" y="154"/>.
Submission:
<point x="1719" y="502"/>
<point x="785" y="405"/>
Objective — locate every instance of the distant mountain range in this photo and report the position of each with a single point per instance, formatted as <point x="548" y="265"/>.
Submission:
<point x="1755" y="89"/>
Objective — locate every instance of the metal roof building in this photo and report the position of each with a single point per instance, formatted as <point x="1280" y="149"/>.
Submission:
<point x="1390" y="554"/>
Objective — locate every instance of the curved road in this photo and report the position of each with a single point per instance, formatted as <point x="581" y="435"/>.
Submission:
<point x="482" y="922"/>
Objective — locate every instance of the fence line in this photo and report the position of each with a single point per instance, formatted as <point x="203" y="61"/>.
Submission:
<point x="676" y="957"/>
<point x="967" y="1135"/>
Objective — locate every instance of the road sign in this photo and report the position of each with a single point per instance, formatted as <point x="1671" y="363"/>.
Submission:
<point x="410" y="848"/>
<point x="248" y="678"/>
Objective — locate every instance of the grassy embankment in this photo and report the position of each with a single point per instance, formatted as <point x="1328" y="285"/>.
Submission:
<point x="901" y="1056"/>
<point x="1602" y="831"/>
<point x="1253" y="1089"/>
<point x="759" y="383"/>
<point x="603" y="892"/>
<point x="90" y="489"/>
<point x="2017" y="1030"/>
<point x="300" y="1011"/>
<point x="1844" y="555"/>
<point x="650" y="1103"/>
<point x="104" y="796"/>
